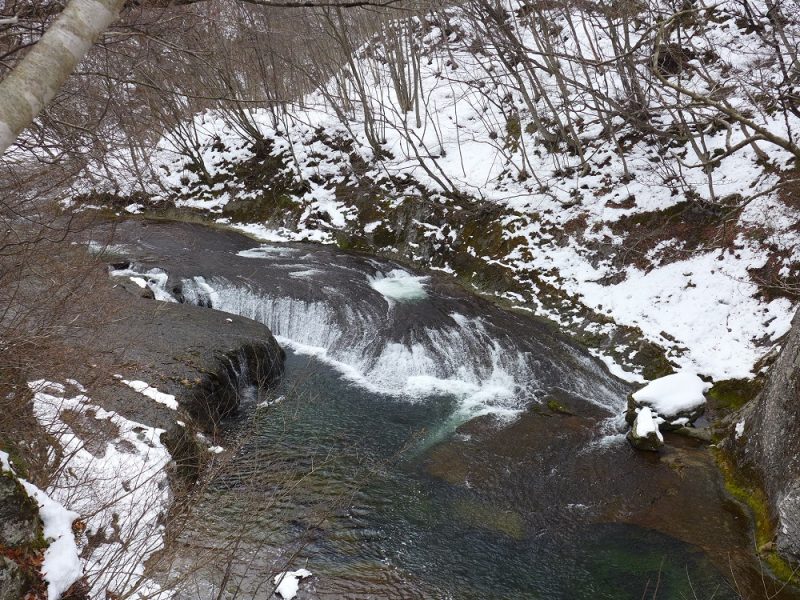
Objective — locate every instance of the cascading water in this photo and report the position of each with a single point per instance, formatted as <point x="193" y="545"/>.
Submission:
<point x="367" y="339"/>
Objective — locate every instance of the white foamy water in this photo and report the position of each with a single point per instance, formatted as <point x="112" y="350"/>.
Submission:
<point x="155" y="279"/>
<point x="399" y="285"/>
<point x="266" y="252"/>
<point x="304" y="273"/>
<point x="485" y="368"/>
<point x="438" y="361"/>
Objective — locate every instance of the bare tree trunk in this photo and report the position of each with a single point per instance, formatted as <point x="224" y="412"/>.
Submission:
<point x="33" y="83"/>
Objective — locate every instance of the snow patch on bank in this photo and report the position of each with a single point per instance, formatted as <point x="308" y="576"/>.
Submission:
<point x="708" y="304"/>
<point x="114" y="476"/>
<point x="146" y="389"/>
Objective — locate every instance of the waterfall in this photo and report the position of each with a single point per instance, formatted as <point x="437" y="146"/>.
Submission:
<point x="367" y="339"/>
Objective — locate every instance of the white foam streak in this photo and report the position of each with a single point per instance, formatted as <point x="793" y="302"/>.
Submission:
<point x="399" y="285"/>
<point x="155" y="279"/>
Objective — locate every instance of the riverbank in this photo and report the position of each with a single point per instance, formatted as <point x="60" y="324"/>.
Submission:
<point x="131" y="421"/>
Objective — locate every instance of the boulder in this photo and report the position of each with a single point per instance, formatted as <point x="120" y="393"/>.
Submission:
<point x="644" y="435"/>
<point x="677" y="399"/>
<point x="20" y="526"/>
<point x="20" y="531"/>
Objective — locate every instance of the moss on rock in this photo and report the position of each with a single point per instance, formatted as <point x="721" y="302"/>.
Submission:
<point x="749" y="494"/>
<point x="732" y="394"/>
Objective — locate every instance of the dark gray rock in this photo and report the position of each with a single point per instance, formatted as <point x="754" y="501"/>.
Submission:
<point x="12" y="580"/>
<point x="210" y="361"/>
<point x="764" y="440"/>
<point x="19" y="518"/>
<point x="236" y="375"/>
<point x="135" y="290"/>
<point x="645" y="436"/>
<point x="20" y="529"/>
<point x="702" y="434"/>
<point x="188" y="452"/>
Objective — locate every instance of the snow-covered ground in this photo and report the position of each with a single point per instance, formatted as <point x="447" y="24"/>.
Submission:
<point x="111" y="474"/>
<point x="568" y="218"/>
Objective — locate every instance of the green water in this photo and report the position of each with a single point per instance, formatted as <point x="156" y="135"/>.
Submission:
<point x="333" y="478"/>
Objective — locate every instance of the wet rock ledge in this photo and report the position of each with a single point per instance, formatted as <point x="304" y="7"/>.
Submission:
<point x="210" y="361"/>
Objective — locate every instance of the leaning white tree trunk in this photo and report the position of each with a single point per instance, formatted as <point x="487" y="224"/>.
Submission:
<point x="34" y="82"/>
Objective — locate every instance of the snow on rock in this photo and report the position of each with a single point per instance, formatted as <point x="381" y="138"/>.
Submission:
<point x="155" y="279"/>
<point x="146" y="389"/>
<point x="644" y="435"/>
<point x="62" y="565"/>
<point x="645" y="424"/>
<point x="114" y="476"/>
<point x="288" y="582"/>
<point x="674" y="396"/>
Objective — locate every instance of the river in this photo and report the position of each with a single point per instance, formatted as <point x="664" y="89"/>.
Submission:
<point x="425" y="443"/>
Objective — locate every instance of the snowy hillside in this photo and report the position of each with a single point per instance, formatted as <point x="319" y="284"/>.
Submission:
<point x="622" y="173"/>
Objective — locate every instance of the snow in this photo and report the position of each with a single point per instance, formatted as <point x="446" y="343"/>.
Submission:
<point x="155" y="279"/>
<point x="267" y="234"/>
<point x="146" y="389"/>
<point x="706" y="302"/>
<point x="673" y="394"/>
<point x="288" y="582"/>
<point x="114" y="476"/>
<point x="645" y="424"/>
<point x="739" y="429"/>
<point x="708" y="306"/>
<point x="399" y="285"/>
<point x="62" y="565"/>
<point x="265" y="251"/>
<point x="615" y="368"/>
